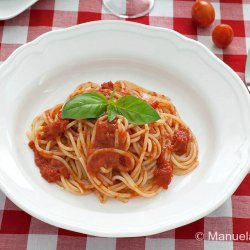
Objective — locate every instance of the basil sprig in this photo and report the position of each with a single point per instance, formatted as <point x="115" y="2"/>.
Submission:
<point x="94" y="105"/>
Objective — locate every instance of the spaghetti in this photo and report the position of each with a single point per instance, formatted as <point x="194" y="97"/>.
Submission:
<point x="113" y="159"/>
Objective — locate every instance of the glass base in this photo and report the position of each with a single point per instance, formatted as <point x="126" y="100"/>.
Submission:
<point x="129" y="8"/>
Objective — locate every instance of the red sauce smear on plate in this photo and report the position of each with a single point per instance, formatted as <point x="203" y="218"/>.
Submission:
<point x="50" y="169"/>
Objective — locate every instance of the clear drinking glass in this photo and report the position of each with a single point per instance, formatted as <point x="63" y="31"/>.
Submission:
<point x="129" y="8"/>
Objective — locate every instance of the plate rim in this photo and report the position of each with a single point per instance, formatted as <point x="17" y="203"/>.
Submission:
<point x="55" y="222"/>
<point x="18" y="10"/>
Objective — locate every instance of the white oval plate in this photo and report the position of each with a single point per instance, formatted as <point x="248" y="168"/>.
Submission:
<point x="12" y="8"/>
<point x="209" y="96"/>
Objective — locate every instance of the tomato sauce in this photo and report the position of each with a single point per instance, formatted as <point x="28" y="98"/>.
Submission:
<point x="55" y="129"/>
<point x="107" y="157"/>
<point x="155" y="104"/>
<point x="105" y="134"/>
<point x="180" y="141"/>
<point x="107" y="85"/>
<point x="111" y="159"/>
<point x="163" y="172"/>
<point x="50" y="169"/>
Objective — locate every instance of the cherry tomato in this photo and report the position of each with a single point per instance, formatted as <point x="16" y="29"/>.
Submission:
<point x="222" y="35"/>
<point x="203" y="13"/>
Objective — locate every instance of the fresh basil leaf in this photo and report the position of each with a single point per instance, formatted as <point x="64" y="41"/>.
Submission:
<point x="88" y="105"/>
<point x="111" y="110"/>
<point x="136" y="110"/>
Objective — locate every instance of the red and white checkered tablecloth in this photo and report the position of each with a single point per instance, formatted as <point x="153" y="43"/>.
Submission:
<point x="18" y="230"/>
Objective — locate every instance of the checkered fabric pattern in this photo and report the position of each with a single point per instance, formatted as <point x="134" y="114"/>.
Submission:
<point x="18" y="230"/>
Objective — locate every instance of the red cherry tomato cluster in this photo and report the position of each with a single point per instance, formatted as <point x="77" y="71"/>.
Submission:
<point x="203" y="15"/>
